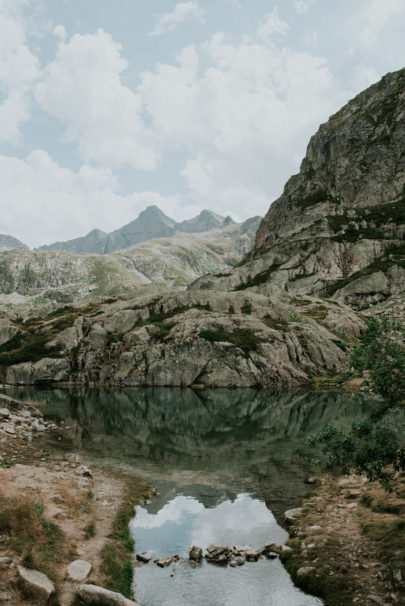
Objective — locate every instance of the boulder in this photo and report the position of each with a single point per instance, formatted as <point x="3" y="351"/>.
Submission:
<point x="253" y="554"/>
<point x="305" y="570"/>
<point x="291" y="514"/>
<point x="144" y="557"/>
<point x="215" y="550"/>
<point x="196" y="553"/>
<point x="93" y="594"/>
<point x="164" y="562"/>
<point x="238" y="561"/>
<point x="36" y="584"/>
<point x="4" y="413"/>
<point x="79" y="570"/>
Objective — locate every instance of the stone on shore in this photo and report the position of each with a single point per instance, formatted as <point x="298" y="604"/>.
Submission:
<point x="36" y="584"/>
<point x="291" y="514"/>
<point x="196" y="553"/>
<point x="305" y="570"/>
<point x="144" y="557"/>
<point x="164" y="562"/>
<point x="79" y="570"/>
<point x="93" y="594"/>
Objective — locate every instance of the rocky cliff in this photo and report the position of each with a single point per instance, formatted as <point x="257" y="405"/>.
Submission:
<point x="332" y="242"/>
<point x="338" y="228"/>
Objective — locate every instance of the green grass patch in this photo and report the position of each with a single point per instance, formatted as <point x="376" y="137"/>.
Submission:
<point x="245" y="340"/>
<point x="39" y="542"/>
<point x="31" y="348"/>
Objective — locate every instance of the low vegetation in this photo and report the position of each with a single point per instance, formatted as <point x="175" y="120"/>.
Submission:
<point x="24" y="530"/>
<point x="117" y="554"/>
<point x="245" y="340"/>
<point x="369" y="447"/>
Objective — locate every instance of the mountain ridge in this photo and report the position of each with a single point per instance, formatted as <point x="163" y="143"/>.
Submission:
<point x="151" y="223"/>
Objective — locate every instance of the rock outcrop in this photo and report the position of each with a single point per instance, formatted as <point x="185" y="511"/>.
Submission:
<point x="338" y="229"/>
<point x="195" y="338"/>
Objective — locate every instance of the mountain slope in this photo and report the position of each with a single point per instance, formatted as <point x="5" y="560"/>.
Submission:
<point x="338" y="228"/>
<point x="177" y="260"/>
<point x="10" y="243"/>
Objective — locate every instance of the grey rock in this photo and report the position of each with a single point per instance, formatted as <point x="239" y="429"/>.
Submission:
<point x="4" y="413"/>
<point x="36" y="584"/>
<point x="305" y="570"/>
<point x="79" y="570"/>
<point x="292" y="514"/>
<point x="164" y="562"/>
<point x="196" y="553"/>
<point x="144" y="557"/>
<point x="93" y="594"/>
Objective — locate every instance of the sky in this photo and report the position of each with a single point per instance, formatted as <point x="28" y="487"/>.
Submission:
<point x="108" y="106"/>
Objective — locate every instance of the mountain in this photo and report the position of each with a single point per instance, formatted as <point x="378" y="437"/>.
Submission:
<point x="151" y="223"/>
<point x="10" y="243"/>
<point x="205" y="221"/>
<point x="94" y="242"/>
<point x="338" y="229"/>
<point x="175" y="260"/>
<point x="331" y="245"/>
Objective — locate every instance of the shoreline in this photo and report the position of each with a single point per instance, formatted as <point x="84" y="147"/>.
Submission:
<point x="348" y="542"/>
<point x="55" y="511"/>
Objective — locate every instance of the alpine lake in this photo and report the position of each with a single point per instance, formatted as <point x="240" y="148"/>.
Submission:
<point x="226" y="464"/>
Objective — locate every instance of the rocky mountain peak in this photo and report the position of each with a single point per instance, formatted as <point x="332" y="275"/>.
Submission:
<point x="10" y="243"/>
<point x="338" y="229"/>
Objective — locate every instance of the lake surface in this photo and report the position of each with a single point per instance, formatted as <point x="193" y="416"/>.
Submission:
<point x="226" y="465"/>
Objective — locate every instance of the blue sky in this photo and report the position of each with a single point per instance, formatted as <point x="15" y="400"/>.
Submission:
<point x="109" y="106"/>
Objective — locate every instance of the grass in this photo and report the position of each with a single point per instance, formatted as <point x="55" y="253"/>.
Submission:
<point x="321" y="195"/>
<point x="39" y="542"/>
<point x="245" y="340"/>
<point x="159" y="318"/>
<point x="30" y="347"/>
<point x="90" y="531"/>
<point x="117" y="554"/>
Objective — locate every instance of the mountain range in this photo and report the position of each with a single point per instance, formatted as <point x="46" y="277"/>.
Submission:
<point x="151" y="223"/>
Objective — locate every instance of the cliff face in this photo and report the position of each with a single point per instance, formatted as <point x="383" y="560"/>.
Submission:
<point x="335" y="237"/>
<point x="338" y="228"/>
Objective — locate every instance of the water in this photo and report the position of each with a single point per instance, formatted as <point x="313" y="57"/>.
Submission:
<point x="226" y="464"/>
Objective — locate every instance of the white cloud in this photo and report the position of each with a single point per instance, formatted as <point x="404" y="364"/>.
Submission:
<point x="82" y="86"/>
<point x="60" y="32"/>
<point x="183" y="11"/>
<point x="272" y="24"/>
<point x="375" y="17"/>
<point x="18" y="70"/>
<point x="243" y="121"/>
<point x="303" y="6"/>
<point x="62" y="204"/>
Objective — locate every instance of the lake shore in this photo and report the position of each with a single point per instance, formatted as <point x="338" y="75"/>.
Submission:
<point x="348" y="542"/>
<point x="55" y="510"/>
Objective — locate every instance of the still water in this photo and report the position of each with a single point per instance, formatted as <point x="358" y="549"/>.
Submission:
<point x="226" y="464"/>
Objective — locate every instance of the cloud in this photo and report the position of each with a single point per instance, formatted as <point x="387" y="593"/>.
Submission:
<point x="244" y="121"/>
<point x="272" y="24"/>
<point x="61" y="203"/>
<point x="18" y="70"/>
<point x="183" y="11"/>
<point x="82" y="87"/>
<point x="375" y="17"/>
<point x="303" y="6"/>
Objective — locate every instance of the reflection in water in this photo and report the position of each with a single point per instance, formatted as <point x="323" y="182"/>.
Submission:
<point x="221" y="460"/>
<point x="183" y="522"/>
<point x="214" y="444"/>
